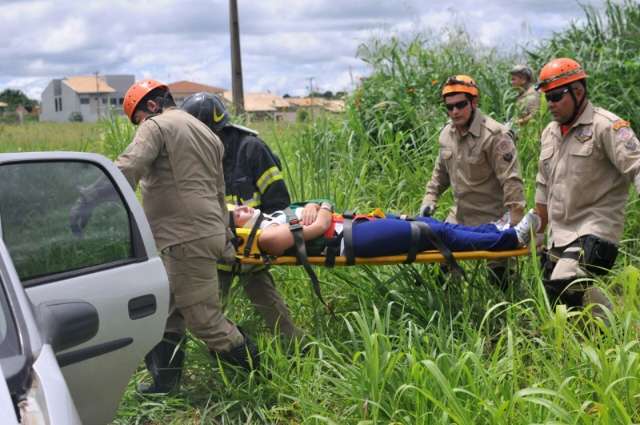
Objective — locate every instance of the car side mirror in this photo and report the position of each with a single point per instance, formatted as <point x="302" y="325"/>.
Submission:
<point x="67" y="323"/>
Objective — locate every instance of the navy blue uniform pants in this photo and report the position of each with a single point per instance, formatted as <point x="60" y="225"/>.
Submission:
<point x="392" y="236"/>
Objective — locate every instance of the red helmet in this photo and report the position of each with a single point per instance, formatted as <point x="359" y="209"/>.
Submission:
<point x="136" y="93"/>
<point x="460" y="84"/>
<point x="559" y="72"/>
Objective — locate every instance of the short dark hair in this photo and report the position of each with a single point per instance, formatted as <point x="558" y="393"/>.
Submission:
<point x="583" y="82"/>
<point x="160" y="95"/>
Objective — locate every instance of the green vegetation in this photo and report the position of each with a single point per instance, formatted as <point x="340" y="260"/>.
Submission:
<point x="50" y="137"/>
<point x="410" y="346"/>
<point x="13" y="99"/>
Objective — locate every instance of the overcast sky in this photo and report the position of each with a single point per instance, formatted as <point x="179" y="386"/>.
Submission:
<point x="284" y="42"/>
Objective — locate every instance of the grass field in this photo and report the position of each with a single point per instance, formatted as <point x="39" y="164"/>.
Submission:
<point x="409" y="346"/>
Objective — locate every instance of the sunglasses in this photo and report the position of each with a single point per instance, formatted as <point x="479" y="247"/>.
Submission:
<point x="556" y="95"/>
<point x="458" y="105"/>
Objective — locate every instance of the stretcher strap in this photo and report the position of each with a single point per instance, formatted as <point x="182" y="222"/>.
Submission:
<point x="347" y="232"/>
<point x="412" y="252"/>
<point x="332" y="251"/>
<point x="235" y="267"/>
<point x="252" y="235"/>
<point x="301" y="255"/>
<point x="427" y="231"/>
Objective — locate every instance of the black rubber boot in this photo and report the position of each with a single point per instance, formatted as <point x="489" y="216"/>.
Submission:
<point x="164" y="363"/>
<point x="245" y="355"/>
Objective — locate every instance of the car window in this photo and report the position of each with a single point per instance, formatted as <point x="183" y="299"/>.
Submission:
<point x="36" y="201"/>
<point x="9" y="342"/>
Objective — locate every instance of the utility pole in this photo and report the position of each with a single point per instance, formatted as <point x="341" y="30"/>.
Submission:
<point x="311" y="106"/>
<point x="236" y="61"/>
<point x="97" y="96"/>
<point x="353" y="86"/>
<point x="311" y="86"/>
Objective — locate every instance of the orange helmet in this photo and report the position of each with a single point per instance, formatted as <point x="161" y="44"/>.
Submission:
<point x="559" y="72"/>
<point x="460" y="84"/>
<point x="136" y="93"/>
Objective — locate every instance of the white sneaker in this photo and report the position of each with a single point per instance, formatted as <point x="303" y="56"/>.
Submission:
<point x="523" y="229"/>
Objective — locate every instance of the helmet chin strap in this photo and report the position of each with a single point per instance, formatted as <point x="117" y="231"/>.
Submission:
<point x="576" y="107"/>
<point x="471" y="117"/>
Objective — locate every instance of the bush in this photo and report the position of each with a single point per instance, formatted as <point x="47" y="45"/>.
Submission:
<point x="75" y="117"/>
<point x="302" y="115"/>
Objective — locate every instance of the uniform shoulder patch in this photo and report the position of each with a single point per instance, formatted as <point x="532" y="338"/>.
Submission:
<point x="620" y="124"/>
<point x="505" y="145"/>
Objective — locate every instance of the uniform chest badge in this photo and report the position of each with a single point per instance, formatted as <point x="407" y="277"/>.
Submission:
<point x="584" y="134"/>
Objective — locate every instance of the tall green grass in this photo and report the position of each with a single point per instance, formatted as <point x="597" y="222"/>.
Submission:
<point x="34" y="136"/>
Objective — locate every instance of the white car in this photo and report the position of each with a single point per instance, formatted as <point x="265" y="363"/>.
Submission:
<point x="78" y="313"/>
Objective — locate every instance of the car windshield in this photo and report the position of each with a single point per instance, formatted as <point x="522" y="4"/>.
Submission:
<point x="9" y="342"/>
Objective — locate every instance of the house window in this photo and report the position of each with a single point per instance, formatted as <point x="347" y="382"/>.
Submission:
<point x="114" y="101"/>
<point x="58" y="103"/>
<point x="84" y="100"/>
<point x="121" y="100"/>
<point x="104" y="100"/>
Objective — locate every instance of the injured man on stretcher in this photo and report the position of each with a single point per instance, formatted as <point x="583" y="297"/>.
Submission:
<point x="375" y="235"/>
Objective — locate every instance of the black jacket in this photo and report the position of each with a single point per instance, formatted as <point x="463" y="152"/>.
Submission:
<point x="252" y="172"/>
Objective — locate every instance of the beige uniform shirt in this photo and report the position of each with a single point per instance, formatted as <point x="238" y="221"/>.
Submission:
<point x="178" y="162"/>
<point x="528" y="103"/>
<point x="583" y="177"/>
<point x="482" y="169"/>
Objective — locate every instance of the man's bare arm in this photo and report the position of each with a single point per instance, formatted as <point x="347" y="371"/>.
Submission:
<point x="541" y="210"/>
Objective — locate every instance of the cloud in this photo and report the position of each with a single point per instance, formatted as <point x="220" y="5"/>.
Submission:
<point x="284" y="42"/>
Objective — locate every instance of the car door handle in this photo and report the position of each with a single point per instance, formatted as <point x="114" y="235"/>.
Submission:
<point x="142" y="306"/>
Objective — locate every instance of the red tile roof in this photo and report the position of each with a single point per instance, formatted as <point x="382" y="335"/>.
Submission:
<point x="189" y="87"/>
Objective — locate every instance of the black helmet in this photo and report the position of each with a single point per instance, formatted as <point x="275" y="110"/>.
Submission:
<point x="208" y="108"/>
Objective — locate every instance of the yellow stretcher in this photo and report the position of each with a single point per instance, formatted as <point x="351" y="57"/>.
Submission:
<point x="255" y="257"/>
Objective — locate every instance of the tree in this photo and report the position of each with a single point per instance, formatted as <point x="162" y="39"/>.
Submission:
<point x="13" y="98"/>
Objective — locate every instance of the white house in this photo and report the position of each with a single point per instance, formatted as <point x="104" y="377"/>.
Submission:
<point x="88" y="98"/>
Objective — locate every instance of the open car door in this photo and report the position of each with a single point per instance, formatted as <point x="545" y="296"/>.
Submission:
<point x="113" y="266"/>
